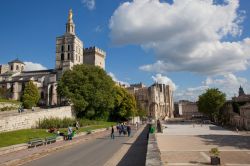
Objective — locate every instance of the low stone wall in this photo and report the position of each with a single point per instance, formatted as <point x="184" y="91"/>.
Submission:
<point x="31" y="119"/>
<point x="153" y="153"/>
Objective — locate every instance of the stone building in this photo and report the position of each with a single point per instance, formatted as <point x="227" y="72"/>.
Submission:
<point x="237" y="111"/>
<point x="70" y="51"/>
<point x="187" y="109"/>
<point x="156" y="100"/>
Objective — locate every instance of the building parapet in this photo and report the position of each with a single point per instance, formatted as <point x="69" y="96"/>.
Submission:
<point x="94" y="49"/>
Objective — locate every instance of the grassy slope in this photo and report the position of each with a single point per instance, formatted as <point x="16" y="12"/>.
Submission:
<point x="22" y="136"/>
<point x="9" y="101"/>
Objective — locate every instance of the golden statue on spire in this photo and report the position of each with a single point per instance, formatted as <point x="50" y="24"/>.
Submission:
<point x="70" y="15"/>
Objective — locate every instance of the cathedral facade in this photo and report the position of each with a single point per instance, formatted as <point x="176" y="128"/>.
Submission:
<point x="70" y="51"/>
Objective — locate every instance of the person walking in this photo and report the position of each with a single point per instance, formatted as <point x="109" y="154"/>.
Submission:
<point x="77" y="125"/>
<point x="136" y="125"/>
<point x="112" y="133"/>
<point x="129" y="130"/>
<point x="70" y="133"/>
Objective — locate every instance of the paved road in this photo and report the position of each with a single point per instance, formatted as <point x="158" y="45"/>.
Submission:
<point x="92" y="153"/>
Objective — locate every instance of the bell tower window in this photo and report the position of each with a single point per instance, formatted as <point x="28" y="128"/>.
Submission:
<point x="62" y="48"/>
<point x="68" y="56"/>
<point x="62" y="57"/>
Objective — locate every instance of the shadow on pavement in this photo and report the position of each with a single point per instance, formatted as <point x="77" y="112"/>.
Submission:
<point x="136" y="154"/>
<point x="216" y="128"/>
<point x="236" y="141"/>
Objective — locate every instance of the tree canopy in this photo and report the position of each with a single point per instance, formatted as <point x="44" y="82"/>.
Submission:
<point x="31" y="95"/>
<point x="125" y="105"/>
<point x="90" y="90"/>
<point x="95" y="95"/>
<point x="211" y="102"/>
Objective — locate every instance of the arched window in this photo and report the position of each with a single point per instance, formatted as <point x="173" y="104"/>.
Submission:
<point x="68" y="56"/>
<point x="68" y="47"/>
<point x="62" y="57"/>
<point x="17" y="67"/>
<point x="22" y="68"/>
<point x="11" y="67"/>
<point x="62" y="48"/>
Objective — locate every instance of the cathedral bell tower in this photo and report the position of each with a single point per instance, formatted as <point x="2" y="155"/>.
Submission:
<point x="70" y="26"/>
<point x="69" y="48"/>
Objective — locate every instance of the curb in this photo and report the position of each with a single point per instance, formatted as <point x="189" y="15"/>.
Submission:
<point x="17" y="147"/>
<point x="153" y="153"/>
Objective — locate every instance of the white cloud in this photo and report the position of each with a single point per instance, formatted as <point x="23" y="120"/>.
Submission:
<point x="190" y="93"/>
<point x="164" y="80"/>
<point x="90" y="4"/>
<point x="98" y="28"/>
<point x="187" y="35"/>
<point x="228" y="84"/>
<point x="30" y="66"/>
<point x="112" y="75"/>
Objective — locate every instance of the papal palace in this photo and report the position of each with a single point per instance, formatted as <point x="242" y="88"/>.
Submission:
<point x="157" y="99"/>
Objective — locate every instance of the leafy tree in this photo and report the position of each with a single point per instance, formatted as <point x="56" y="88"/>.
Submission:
<point x="90" y="90"/>
<point x="211" y="102"/>
<point x="125" y="105"/>
<point x="31" y="95"/>
<point x="142" y="113"/>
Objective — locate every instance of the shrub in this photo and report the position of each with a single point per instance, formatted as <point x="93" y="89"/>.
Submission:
<point x="8" y="108"/>
<point x="214" y="152"/>
<point x="56" y="123"/>
<point x="64" y="123"/>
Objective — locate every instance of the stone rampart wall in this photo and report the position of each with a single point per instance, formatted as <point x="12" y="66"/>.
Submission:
<point x="31" y="119"/>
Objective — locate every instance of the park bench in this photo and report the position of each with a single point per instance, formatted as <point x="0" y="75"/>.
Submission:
<point x="34" y="142"/>
<point x="49" y="140"/>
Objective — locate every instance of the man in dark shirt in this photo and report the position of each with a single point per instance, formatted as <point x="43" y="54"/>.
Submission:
<point x="112" y="133"/>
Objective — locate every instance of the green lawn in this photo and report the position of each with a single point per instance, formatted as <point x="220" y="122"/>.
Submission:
<point x="9" y="101"/>
<point x="22" y="136"/>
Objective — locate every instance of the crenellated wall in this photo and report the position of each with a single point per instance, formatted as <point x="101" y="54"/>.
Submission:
<point x="31" y="119"/>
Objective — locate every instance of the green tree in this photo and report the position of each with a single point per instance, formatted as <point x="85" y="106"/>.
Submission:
<point x="31" y="95"/>
<point x="142" y="113"/>
<point x="211" y="102"/>
<point x="90" y="90"/>
<point x="125" y="105"/>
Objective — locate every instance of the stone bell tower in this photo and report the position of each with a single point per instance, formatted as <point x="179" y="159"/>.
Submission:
<point x="69" y="48"/>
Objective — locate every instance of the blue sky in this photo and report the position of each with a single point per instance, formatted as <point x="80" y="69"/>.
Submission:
<point x="29" y="29"/>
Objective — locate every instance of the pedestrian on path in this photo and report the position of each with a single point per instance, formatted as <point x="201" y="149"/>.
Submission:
<point x="112" y="133"/>
<point x="77" y="125"/>
<point x="129" y="130"/>
<point x="70" y="133"/>
<point x="136" y="125"/>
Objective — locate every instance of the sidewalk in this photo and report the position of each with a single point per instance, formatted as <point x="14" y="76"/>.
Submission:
<point x="133" y="152"/>
<point x="26" y="155"/>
